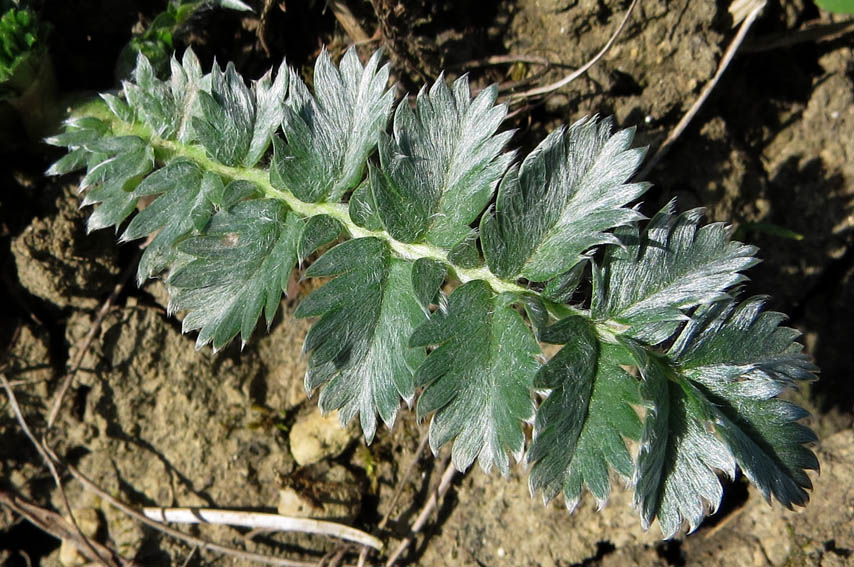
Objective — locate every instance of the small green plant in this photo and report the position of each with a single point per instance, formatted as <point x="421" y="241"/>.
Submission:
<point x="27" y="83"/>
<point x="19" y="44"/>
<point x="157" y="40"/>
<point x="839" y="6"/>
<point x="456" y="261"/>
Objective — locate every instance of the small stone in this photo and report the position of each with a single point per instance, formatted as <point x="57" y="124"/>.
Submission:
<point x="88" y="521"/>
<point x="315" y="437"/>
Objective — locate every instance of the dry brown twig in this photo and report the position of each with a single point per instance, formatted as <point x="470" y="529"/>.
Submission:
<point x="83" y="543"/>
<point x="539" y="91"/>
<point x="431" y="505"/>
<point x="54" y="524"/>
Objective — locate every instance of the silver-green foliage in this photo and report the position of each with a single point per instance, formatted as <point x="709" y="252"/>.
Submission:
<point x="452" y="265"/>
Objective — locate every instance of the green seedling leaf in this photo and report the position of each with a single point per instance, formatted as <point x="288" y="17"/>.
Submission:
<point x="711" y="371"/>
<point x="561" y="201"/>
<point x="838" y="6"/>
<point x="358" y="346"/>
<point x="240" y="267"/>
<point x="440" y="168"/>
<point x="580" y="426"/>
<point x="478" y="379"/>
<point x="329" y="136"/>
<point x="672" y="265"/>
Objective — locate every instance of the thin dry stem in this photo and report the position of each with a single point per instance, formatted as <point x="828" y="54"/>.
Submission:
<point x="261" y="520"/>
<point x="431" y="504"/>
<point x="81" y="541"/>
<point x="583" y="69"/>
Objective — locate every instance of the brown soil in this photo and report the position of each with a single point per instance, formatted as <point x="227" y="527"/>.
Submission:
<point x="155" y="422"/>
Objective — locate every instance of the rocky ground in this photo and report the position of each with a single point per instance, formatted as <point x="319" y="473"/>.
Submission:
<point x="154" y="422"/>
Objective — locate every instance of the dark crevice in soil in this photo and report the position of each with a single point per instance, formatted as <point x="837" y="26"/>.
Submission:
<point x="603" y="548"/>
<point x="672" y="552"/>
<point x="22" y="539"/>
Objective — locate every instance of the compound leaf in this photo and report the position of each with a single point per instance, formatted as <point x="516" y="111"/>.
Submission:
<point x="241" y="266"/>
<point x="478" y="379"/>
<point x="673" y="265"/>
<point x="329" y="136"/>
<point x="358" y="346"/>
<point x="580" y="426"/>
<point x="439" y="169"/>
<point x="744" y="359"/>
<point x="567" y="193"/>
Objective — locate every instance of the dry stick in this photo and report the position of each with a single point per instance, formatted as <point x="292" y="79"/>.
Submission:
<point x="197" y="541"/>
<point x="261" y="520"/>
<point x="52" y="523"/>
<point x="190" y="556"/>
<point x="432" y="504"/>
<point x="422" y="443"/>
<point x="508" y="59"/>
<point x="695" y="108"/>
<point x="87" y="340"/>
<point x="348" y="21"/>
<point x="581" y="70"/>
<point x="109" y="561"/>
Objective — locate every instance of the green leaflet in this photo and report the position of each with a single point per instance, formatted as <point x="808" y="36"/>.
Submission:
<point x="123" y="161"/>
<point x="329" y="136"/>
<point x="168" y="106"/>
<point x="561" y="201"/>
<point x="679" y="454"/>
<point x="241" y="266"/>
<point x="716" y="405"/>
<point x="672" y="265"/>
<point x="743" y="359"/>
<point x="439" y="169"/>
<point x="236" y="123"/>
<point x="580" y="426"/>
<point x="184" y="206"/>
<point x="478" y="380"/>
<point x="358" y="345"/>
